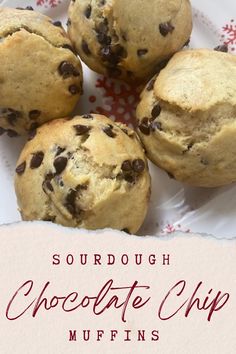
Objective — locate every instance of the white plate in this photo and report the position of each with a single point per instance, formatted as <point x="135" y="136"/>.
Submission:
<point x="173" y="206"/>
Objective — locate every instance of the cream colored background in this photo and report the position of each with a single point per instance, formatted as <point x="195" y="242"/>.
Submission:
<point x="25" y="253"/>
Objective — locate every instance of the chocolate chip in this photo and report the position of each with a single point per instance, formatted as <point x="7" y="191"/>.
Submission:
<point x="81" y="187"/>
<point x="11" y="111"/>
<point x="190" y="145"/>
<point x="12" y="115"/>
<point x="222" y="48"/>
<point x="113" y="54"/>
<point x="21" y="168"/>
<point x="67" y="69"/>
<point x="68" y="23"/>
<point x="156" y="111"/>
<point x="126" y="166"/>
<point x="126" y="230"/>
<point x="81" y="129"/>
<point x="50" y="218"/>
<point x="71" y="196"/>
<point x="138" y="165"/>
<point x="57" y="23"/>
<point x="102" y="2"/>
<point x="12" y="119"/>
<point x="34" y="114"/>
<point x="74" y="90"/>
<point x="12" y="133"/>
<point x="87" y="116"/>
<point x="103" y="39"/>
<point x="108" y="55"/>
<point x="120" y="51"/>
<point x="33" y="128"/>
<point x="47" y="186"/>
<point x="60" y="164"/>
<point x="2" y="131"/>
<point x="186" y="44"/>
<point x="59" y="151"/>
<point x="70" y="202"/>
<point x="129" y="178"/>
<point x="102" y="27"/>
<point x="36" y="160"/>
<point x="32" y="134"/>
<point x="103" y="34"/>
<point x="166" y="28"/>
<point x="85" y="48"/>
<point x="87" y="12"/>
<point x="141" y="52"/>
<point x="70" y="208"/>
<point x="108" y="131"/>
<point x="49" y="176"/>
<point x="144" y="126"/>
<point x="150" y="85"/>
<point x="29" y="8"/>
<point x="76" y="73"/>
<point x="170" y="175"/>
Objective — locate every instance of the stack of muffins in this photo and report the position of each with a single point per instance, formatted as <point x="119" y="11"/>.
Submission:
<point x="87" y="171"/>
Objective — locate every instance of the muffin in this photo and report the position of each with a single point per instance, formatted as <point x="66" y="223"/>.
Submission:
<point x="187" y="118"/>
<point x="85" y="172"/>
<point x="40" y="75"/>
<point x="128" y="40"/>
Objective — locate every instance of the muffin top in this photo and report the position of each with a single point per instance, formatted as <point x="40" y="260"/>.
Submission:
<point x="84" y="172"/>
<point x="128" y="39"/>
<point x="40" y="76"/>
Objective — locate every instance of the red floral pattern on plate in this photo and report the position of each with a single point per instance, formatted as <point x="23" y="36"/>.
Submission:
<point x="48" y="3"/>
<point x="229" y="35"/>
<point x="169" y="229"/>
<point x="119" y="100"/>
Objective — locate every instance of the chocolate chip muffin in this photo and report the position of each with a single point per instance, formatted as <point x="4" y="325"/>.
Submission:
<point x="187" y="118"/>
<point x="89" y="173"/>
<point x="129" y="40"/>
<point x="40" y="76"/>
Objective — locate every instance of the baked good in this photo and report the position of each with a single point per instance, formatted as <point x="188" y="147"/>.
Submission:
<point x="84" y="172"/>
<point x="40" y="76"/>
<point x="128" y="39"/>
<point x="187" y="118"/>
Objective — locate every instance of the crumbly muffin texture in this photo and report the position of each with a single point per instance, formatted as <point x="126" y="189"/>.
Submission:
<point x="40" y="75"/>
<point x="128" y="40"/>
<point x="187" y="118"/>
<point x="84" y="172"/>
